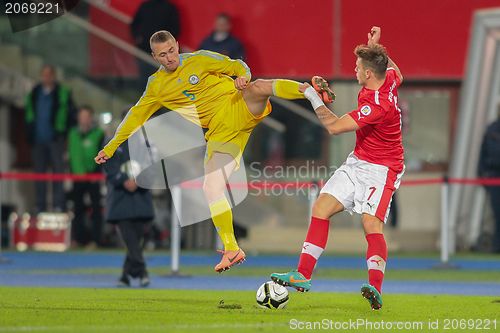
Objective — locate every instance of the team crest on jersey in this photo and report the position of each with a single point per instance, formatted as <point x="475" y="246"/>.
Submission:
<point x="366" y="110"/>
<point x="194" y="79"/>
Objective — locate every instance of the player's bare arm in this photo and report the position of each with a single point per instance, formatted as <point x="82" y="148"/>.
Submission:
<point x="333" y="124"/>
<point x="374" y="38"/>
<point x="398" y="71"/>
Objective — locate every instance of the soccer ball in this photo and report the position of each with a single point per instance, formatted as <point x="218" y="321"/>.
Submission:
<point x="272" y="296"/>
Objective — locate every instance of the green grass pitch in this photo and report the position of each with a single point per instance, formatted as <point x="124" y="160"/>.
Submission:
<point x="149" y="310"/>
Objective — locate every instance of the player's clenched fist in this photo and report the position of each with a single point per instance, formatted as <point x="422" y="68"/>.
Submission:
<point x="241" y="82"/>
<point x="101" y="157"/>
<point x="374" y="36"/>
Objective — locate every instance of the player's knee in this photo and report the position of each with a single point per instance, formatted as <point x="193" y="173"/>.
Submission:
<point x="212" y="189"/>
<point x="372" y="225"/>
<point x="326" y="206"/>
<point x="319" y="210"/>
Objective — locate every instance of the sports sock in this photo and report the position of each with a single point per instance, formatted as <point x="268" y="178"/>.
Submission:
<point x="315" y="243"/>
<point x="287" y="89"/>
<point x="376" y="256"/>
<point x="222" y="217"/>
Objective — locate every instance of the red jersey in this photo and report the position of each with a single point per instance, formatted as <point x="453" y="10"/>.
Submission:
<point x="379" y="139"/>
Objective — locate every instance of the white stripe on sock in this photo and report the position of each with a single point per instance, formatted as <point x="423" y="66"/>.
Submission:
<point x="311" y="249"/>
<point x="376" y="262"/>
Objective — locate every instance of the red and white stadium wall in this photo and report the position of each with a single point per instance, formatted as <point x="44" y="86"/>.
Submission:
<point x="292" y="38"/>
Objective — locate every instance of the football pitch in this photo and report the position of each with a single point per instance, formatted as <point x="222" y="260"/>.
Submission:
<point x="143" y="310"/>
<point x="74" y="292"/>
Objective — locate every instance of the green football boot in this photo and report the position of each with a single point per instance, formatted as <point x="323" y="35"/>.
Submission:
<point x="292" y="279"/>
<point x="372" y="295"/>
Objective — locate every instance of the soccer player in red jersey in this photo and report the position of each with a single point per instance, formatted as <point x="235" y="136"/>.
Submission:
<point x="365" y="183"/>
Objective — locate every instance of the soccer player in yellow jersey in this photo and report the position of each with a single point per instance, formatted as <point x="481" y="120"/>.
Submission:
<point x="200" y="86"/>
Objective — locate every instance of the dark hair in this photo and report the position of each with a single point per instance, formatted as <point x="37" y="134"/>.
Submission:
<point x="373" y="57"/>
<point x="224" y="16"/>
<point x="161" y="37"/>
<point x="49" y="66"/>
<point x="88" y="108"/>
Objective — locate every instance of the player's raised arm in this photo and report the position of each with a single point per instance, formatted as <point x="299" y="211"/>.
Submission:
<point x="218" y="63"/>
<point x="135" y="118"/>
<point x="396" y="68"/>
<point x="374" y="38"/>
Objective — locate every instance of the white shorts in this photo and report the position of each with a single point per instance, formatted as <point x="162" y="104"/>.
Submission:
<point x="364" y="187"/>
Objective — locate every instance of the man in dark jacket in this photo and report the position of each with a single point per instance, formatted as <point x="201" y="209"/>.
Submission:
<point x="48" y="115"/>
<point x="222" y="41"/>
<point x="489" y="167"/>
<point x="131" y="209"/>
<point x="152" y="16"/>
<point x="84" y="142"/>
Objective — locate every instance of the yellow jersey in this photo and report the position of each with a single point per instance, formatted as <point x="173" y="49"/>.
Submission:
<point x="196" y="90"/>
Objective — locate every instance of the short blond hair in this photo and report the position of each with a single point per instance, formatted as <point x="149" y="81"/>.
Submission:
<point x="161" y="37"/>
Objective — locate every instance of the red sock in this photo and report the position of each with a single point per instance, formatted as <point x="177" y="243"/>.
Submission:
<point x="315" y="243"/>
<point x="376" y="257"/>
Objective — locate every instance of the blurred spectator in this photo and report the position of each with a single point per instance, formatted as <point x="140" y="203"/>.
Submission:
<point x="131" y="209"/>
<point x="393" y="212"/>
<point x="222" y="41"/>
<point x="152" y="16"/>
<point x="84" y="143"/>
<point x="489" y="167"/>
<point x="48" y="115"/>
<point x="393" y="219"/>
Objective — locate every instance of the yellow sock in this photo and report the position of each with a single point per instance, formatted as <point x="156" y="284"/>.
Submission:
<point x="222" y="216"/>
<point x="287" y="89"/>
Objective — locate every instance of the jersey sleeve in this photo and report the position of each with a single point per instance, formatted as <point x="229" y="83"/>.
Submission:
<point x="367" y="114"/>
<point x="217" y="63"/>
<point x="136" y="117"/>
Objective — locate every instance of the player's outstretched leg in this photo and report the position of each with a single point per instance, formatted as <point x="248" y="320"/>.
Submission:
<point x="315" y="243"/>
<point x="317" y="236"/>
<point x="257" y="94"/>
<point x="286" y="89"/>
<point x="218" y="170"/>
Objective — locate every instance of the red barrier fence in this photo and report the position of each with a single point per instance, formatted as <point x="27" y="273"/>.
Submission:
<point x="57" y="177"/>
<point x="252" y="184"/>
